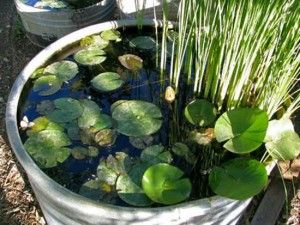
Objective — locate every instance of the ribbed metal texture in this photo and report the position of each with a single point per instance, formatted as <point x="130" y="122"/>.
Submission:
<point x="44" y="26"/>
<point x="63" y="207"/>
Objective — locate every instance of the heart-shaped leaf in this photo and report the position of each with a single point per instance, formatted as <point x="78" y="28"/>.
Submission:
<point x="164" y="184"/>
<point x="107" y="82"/>
<point x="111" y="35"/>
<point x="244" y="129"/>
<point x="103" y="122"/>
<point x="43" y="123"/>
<point x="156" y="154"/>
<point x="200" y="112"/>
<point x="90" y="56"/>
<point x="94" y="41"/>
<point x="79" y="152"/>
<point x="248" y="176"/>
<point x="63" y="70"/>
<point x="90" y="115"/>
<point x="45" y="107"/>
<point x="143" y="42"/>
<point x="131" y="62"/>
<point x="47" y="85"/>
<point x="137" y="118"/>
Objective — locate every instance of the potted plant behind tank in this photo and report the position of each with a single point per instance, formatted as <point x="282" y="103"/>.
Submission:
<point x="148" y="118"/>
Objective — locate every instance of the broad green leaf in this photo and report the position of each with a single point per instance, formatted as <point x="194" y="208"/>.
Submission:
<point x="47" y="85"/>
<point x="106" y="174"/>
<point x="63" y="70"/>
<point x="47" y="147"/>
<point x="183" y="150"/>
<point x="156" y="154"/>
<point x="244" y="129"/>
<point x="111" y="35"/>
<point x="90" y="56"/>
<point x="103" y="122"/>
<point x="137" y="118"/>
<point x="131" y="62"/>
<point x="37" y="73"/>
<point x="143" y="42"/>
<point x="239" y="178"/>
<point x="165" y="184"/>
<point x="92" y="189"/>
<point x="43" y="123"/>
<point x="90" y="113"/>
<point x="94" y="41"/>
<point x="67" y="109"/>
<point x="107" y="82"/>
<point x="200" y="112"/>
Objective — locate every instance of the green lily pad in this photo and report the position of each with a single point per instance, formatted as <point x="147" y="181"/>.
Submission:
<point x="244" y="129"/>
<point x="105" y="137"/>
<point x="141" y="142"/>
<point x="111" y="35"/>
<point x="248" y="176"/>
<point x="90" y="114"/>
<point x="282" y="142"/>
<point x="183" y="150"/>
<point x="131" y="62"/>
<point x="45" y="107"/>
<point x="107" y="82"/>
<point x="47" y="85"/>
<point x="90" y="56"/>
<point x="92" y="190"/>
<point x="37" y="73"/>
<point x="103" y="122"/>
<point x="156" y="154"/>
<point x="137" y="118"/>
<point x="63" y="70"/>
<point x="164" y="184"/>
<point x="106" y="174"/>
<point x="47" y="147"/>
<point x="93" y="151"/>
<point x="74" y="133"/>
<point x="43" y="123"/>
<point x="67" y="109"/>
<point x="200" y="112"/>
<point x="143" y="42"/>
<point x="94" y="41"/>
<point x="79" y="152"/>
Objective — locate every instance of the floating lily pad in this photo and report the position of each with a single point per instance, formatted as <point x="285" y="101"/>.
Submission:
<point x="200" y="112"/>
<point x="107" y="82"/>
<point x="43" y="123"/>
<point x="92" y="189"/>
<point x="90" y="113"/>
<point x="63" y="70"/>
<point x="106" y="174"/>
<point x="141" y="142"/>
<point x="248" y="176"/>
<point x="90" y="56"/>
<point x="244" y="129"/>
<point x="143" y="42"/>
<point x="282" y="142"/>
<point x="67" y="109"/>
<point x="165" y="184"/>
<point x="131" y="62"/>
<point x="79" y="152"/>
<point x="94" y="40"/>
<point x="183" y="150"/>
<point x="137" y="118"/>
<point x="156" y="154"/>
<point x="47" y="85"/>
<point x="105" y="137"/>
<point x="111" y="35"/>
<point x="37" y="73"/>
<point x="47" y="147"/>
<point x="93" y="151"/>
<point x="45" y="107"/>
<point x="74" y="133"/>
<point x="103" y="122"/>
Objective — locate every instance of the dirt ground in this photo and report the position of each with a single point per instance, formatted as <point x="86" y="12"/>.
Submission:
<point x="17" y="203"/>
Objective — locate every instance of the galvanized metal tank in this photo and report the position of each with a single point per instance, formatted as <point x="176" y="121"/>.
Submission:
<point x="43" y="26"/>
<point x="63" y="207"/>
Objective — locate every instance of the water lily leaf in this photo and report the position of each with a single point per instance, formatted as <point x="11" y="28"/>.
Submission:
<point x="200" y="112"/>
<point x="107" y="81"/>
<point x="137" y="118"/>
<point x="183" y="150"/>
<point x="244" y="129"/>
<point x="131" y="62"/>
<point x="143" y="42"/>
<point x="106" y="174"/>
<point x="94" y="40"/>
<point x="93" y="151"/>
<point x="90" y="56"/>
<point x="37" y="73"/>
<point x="45" y="107"/>
<point x="105" y="137"/>
<point x="141" y="142"/>
<point x="63" y="70"/>
<point x="47" y="147"/>
<point x="79" y="152"/>
<point x="74" y="133"/>
<point x="92" y="190"/>
<point x="248" y="176"/>
<point x="43" y="123"/>
<point x="47" y="85"/>
<point x="103" y="122"/>
<point x="111" y="35"/>
<point x="164" y="184"/>
<point x="156" y="154"/>
<point x="90" y="114"/>
<point x="67" y="109"/>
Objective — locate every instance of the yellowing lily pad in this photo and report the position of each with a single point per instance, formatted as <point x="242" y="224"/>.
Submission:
<point x="107" y="82"/>
<point x="94" y="41"/>
<point x="90" y="56"/>
<point x="111" y="35"/>
<point x="63" y="70"/>
<point x="131" y="62"/>
<point x="137" y="118"/>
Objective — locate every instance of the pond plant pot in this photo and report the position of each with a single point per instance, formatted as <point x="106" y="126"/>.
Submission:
<point x="63" y="207"/>
<point x="44" y="26"/>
